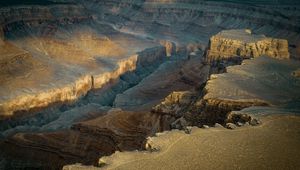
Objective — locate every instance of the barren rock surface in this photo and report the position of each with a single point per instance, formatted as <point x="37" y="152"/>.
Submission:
<point x="262" y="80"/>
<point x="86" y="78"/>
<point x="231" y="43"/>
<point x="85" y="141"/>
<point x="243" y="148"/>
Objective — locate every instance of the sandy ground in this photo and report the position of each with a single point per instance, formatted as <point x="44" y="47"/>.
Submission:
<point x="273" y="145"/>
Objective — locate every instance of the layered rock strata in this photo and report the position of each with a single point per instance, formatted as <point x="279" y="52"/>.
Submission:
<point x="171" y="76"/>
<point x="41" y="13"/>
<point x="242" y="43"/>
<point x="66" y="92"/>
<point x="180" y="151"/>
<point x="103" y="43"/>
<point x="262" y="81"/>
<point x="84" y="142"/>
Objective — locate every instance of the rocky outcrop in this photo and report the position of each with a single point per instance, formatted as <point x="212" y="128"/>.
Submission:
<point x="171" y="76"/>
<point x="170" y="47"/>
<point x="85" y="142"/>
<point x="37" y="14"/>
<point x="21" y="104"/>
<point x="296" y="73"/>
<point x="197" y="20"/>
<point x="25" y="103"/>
<point x="177" y="150"/>
<point x="175" y="103"/>
<point x="98" y="53"/>
<point x="249" y="85"/>
<point x="242" y="43"/>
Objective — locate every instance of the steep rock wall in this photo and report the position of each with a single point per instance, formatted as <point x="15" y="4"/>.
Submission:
<point x="81" y="86"/>
<point x="85" y="142"/>
<point x="65" y="94"/>
<point x="232" y="43"/>
<point x="40" y="13"/>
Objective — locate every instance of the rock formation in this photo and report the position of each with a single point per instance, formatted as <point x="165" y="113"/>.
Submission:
<point x="296" y="73"/>
<point x="83" y="79"/>
<point x="85" y="141"/>
<point x="242" y="43"/>
<point x="203" y="146"/>
<point x="249" y="85"/>
<point x="174" y="103"/>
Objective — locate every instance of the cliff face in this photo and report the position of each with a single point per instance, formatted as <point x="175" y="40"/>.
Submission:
<point x="77" y="89"/>
<point x="233" y="43"/>
<point x="262" y="81"/>
<point x="85" y="142"/>
<point x="88" y="57"/>
<point x="171" y="76"/>
<point x="25" y="103"/>
<point x="177" y="17"/>
<point x="175" y="103"/>
<point x="41" y="13"/>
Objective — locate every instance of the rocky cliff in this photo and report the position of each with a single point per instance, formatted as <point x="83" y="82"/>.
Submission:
<point x="85" y="142"/>
<point x="41" y="14"/>
<point x="73" y="91"/>
<point x="258" y="82"/>
<point x="242" y="43"/>
<point x="69" y="67"/>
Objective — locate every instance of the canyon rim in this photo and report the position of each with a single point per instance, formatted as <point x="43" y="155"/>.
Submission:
<point x="149" y="84"/>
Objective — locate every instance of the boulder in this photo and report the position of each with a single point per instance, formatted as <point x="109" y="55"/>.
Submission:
<point x="230" y="126"/>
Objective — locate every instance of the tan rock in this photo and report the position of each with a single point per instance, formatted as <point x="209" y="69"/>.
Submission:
<point x="296" y="73"/>
<point x="231" y="43"/>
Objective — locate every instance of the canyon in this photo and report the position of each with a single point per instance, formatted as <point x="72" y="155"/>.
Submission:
<point x="82" y="80"/>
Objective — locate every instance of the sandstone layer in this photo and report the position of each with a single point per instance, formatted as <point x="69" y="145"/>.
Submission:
<point x="84" y="142"/>
<point x="34" y="88"/>
<point x="242" y="43"/>
<point x="262" y="81"/>
<point x="68" y="66"/>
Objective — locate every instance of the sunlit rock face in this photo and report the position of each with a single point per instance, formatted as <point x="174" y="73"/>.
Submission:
<point x="242" y="43"/>
<point x="75" y="63"/>
<point x="66" y="67"/>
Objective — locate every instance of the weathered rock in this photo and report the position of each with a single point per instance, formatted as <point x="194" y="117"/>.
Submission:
<point x="240" y="124"/>
<point x="230" y="126"/>
<point x="174" y="103"/>
<point x="170" y="47"/>
<point x="237" y="118"/>
<point x="254" y="122"/>
<point x="188" y="130"/>
<point x="218" y="125"/>
<point x="296" y="73"/>
<point x="150" y="145"/>
<point x="101" y="163"/>
<point x="205" y="127"/>
<point x="97" y="42"/>
<point x="242" y="43"/>
<point x="249" y="85"/>
<point x="180" y="123"/>
<point x="86" y="141"/>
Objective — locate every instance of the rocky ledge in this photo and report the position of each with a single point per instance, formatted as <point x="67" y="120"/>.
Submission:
<point x="229" y="44"/>
<point x="145" y="57"/>
<point x="252" y="148"/>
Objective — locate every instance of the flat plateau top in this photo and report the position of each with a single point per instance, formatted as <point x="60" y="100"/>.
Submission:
<point x="262" y="78"/>
<point x="243" y="35"/>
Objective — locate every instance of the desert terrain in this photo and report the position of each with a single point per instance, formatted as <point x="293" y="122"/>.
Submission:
<point x="149" y="84"/>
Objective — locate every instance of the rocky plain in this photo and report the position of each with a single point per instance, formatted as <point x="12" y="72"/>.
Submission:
<point x="149" y="84"/>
